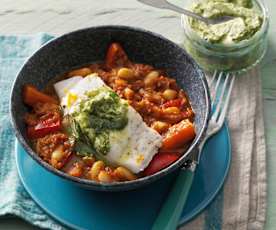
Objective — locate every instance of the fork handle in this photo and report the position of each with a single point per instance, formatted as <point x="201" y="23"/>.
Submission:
<point x="171" y="210"/>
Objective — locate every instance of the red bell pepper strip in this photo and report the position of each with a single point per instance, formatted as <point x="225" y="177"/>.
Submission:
<point x="43" y="128"/>
<point x="178" y="135"/>
<point x="115" y="55"/>
<point x="160" y="161"/>
<point x="173" y="103"/>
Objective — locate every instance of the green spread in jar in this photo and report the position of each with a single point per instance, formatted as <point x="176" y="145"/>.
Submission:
<point x="247" y="22"/>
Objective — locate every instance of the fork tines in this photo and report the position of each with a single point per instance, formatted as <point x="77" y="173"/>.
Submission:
<point x="221" y="86"/>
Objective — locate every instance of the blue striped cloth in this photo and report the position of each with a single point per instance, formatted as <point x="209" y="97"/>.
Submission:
<point x="14" y="200"/>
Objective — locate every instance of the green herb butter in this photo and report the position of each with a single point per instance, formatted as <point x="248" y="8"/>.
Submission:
<point x="100" y="113"/>
<point x="247" y="22"/>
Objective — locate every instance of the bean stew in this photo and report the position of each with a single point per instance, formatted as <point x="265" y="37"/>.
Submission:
<point x="81" y="143"/>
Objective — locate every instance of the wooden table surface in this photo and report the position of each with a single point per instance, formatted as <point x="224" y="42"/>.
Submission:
<point x="58" y="17"/>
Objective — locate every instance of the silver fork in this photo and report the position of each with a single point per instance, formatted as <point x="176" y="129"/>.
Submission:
<point x="170" y="212"/>
<point x="220" y="106"/>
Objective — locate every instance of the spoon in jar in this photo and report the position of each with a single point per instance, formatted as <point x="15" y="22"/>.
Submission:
<point x="163" y="4"/>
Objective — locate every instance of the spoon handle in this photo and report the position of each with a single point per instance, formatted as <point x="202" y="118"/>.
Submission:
<point x="171" y="210"/>
<point x="170" y="6"/>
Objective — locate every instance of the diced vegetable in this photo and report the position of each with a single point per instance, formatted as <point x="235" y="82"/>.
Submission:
<point x="178" y="135"/>
<point x="128" y="93"/>
<point x="43" y="128"/>
<point x="173" y="103"/>
<point x="77" y="170"/>
<point x="160" y="126"/>
<point x="171" y="110"/>
<point x="169" y="94"/>
<point x="104" y="177"/>
<point x="124" y="174"/>
<point x="160" y="161"/>
<point x="95" y="169"/>
<point x="151" y="77"/>
<point x="59" y="158"/>
<point x="58" y="154"/>
<point x="115" y="55"/>
<point x="88" y="160"/>
<point x="32" y="96"/>
<point x="126" y="74"/>
<point x="120" y="83"/>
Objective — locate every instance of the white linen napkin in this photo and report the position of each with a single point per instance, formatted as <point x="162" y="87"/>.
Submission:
<point x="242" y="202"/>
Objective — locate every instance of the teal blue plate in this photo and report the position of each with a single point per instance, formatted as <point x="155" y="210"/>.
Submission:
<point x="78" y="208"/>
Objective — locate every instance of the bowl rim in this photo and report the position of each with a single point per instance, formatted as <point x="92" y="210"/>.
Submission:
<point x="122" y="185"/>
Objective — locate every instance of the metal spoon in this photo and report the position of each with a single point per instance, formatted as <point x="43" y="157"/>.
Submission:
<point x="163" y="4"/>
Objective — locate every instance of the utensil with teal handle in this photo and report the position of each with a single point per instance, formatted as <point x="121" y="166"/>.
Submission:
<point x="170" y="212"/>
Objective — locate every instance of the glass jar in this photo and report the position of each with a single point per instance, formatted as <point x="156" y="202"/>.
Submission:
<point x="236" y="57"/>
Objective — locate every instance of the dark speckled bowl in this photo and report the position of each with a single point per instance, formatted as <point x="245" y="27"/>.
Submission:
<point x="89" y="45"/>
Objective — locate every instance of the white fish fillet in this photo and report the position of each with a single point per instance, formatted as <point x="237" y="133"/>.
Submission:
<point x="135" y="145"/>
